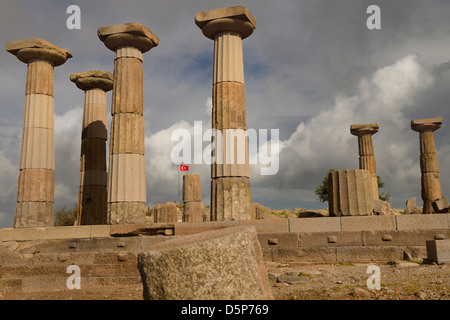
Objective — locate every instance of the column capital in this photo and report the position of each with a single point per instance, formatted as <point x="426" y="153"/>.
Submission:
<point x="422" y="125"/>
<point x="131" y="34"/>
<point x="364" y="129"/>
<point x="93" y="79"/>
<point x="38" y="49"/>
<point x="237" y="18"/>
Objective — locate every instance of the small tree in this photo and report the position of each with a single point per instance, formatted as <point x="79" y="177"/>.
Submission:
<point x="66" y="217"/>
<point x="322" y="190"/>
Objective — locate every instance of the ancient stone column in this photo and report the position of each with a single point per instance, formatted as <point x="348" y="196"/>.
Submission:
<point x="350" y="193"/>
<point x="429" y="167"/>
<point x="364" y="133"/>
<point x="165" y="213"/>
<point x="192" y="197"/>
<point x="230" y="173"/>
<point x="36" y="183"/>
<point x="126" y="179"/>
<point x="92" y="195"/>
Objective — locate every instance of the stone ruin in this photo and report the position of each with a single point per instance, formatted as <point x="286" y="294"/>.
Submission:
<point x="111" y="230"/>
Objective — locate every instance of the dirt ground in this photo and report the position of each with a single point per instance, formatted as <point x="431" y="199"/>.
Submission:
<point x="399" y="281"/>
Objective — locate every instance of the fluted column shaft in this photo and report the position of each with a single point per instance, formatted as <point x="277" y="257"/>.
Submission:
<point x="192" y="197"/>
<point x="92" y="194"/>
<point x="429" y="167"/>
<point x="230" y="172"/>
<point x="126" y="179"/>
<point x="364" y="132"/>
<point x="36" y="183"/>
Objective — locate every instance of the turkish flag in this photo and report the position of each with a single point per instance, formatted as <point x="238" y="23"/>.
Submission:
<point x="184" y="168"/>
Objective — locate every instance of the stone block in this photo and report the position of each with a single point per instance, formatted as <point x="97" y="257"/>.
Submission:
<point x="402" y="238"/>
<point x="219" y="265"/>
<point x="165" y="213"/>
<point x="331" y="239"/>
<point x="441" y="205"/>
<point x="369" y="254"/>
<point x="182" y="228"/>
<point x="192" y="212"/>
<point x="93" y="178"/>
<point x="36" y="185"/>
<point x="438" y="251"/>
<point x="128" y="87"/>
<point x="191" y="188"/>
<point x="127" y="178"/>
<point x="93" y="154"/>
<point x="39" y="111"/>
<point x="421" y="222"/>
<point x="38" y="149"/>
<point x="269" y="225"/>
<point x="231" y="199"/>
<point x="33" y="214"/>
<point x="325" y="224"/>
<point x="411" y="207"/>
<point x="127" y="132"/>
<point x="304" y="255"/>
<point x="126" y="212"/>
<point x="350" y="193"/>
<point x="229" y="108"/>
<point x="372" y="223"/>
<point x="93" y="79"/>
<point x="278" y="240"/>
<point x="92" y="205"/>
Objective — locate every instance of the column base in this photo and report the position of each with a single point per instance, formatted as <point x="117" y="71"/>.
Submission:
<point x="231" y="199"/>
<point x="126" y="212"/>
<point x="33" y="215"/>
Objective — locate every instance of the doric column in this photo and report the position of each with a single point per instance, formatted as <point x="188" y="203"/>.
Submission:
<point x="126" y="179"/>
<point x="364" y="133"/>
<point x="92" y="195"/>
<point x="192" y="197"/>
<point x="429" y="167"/>
<point x="36" y="183"/>
<point x="230" y="173"/>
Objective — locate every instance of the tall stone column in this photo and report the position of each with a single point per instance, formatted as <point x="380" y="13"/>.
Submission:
<point x="36" y="183"/>
<point x="230" y="173"/>
<point x="92" y="195"/>
<point x="192" y="197"/>
<point x="429" y="167"/>
<point x="364" y="133"/>
<point x="126" y="180"/>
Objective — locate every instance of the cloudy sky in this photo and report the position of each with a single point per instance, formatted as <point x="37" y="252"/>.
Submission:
<point x="312" y="68"/>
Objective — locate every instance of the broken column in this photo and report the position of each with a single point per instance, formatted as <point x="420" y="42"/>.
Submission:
<point x="92" y="195"/>
<point x="126" y="180"/>
<point x="230" y="173"/>
<point x="192" y="197"/>
<point x="429" y="167"/>
<point x="350" y="193"/>
<point x="36" y="183"/>
<point x="165" y="212"/>
<point x="364" y="133"/>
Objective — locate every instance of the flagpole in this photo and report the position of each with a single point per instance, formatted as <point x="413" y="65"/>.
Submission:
<point x="179" y="176"/>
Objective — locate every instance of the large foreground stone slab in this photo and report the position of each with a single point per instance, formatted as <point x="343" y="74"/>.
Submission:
<point x="222" y="264"/>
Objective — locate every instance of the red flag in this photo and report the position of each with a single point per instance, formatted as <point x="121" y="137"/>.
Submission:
<point x="184" y="168"/>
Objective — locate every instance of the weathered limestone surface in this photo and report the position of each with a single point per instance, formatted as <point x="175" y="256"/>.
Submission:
<point x="227" y="27"/>
<point x="126" y="184"/>
<point x="233" y="196"/>
<point x="438" y="251"/>
<point x="350" y="193"/>
<point x="192" y="197"/>
<point x="364" y="133"/>
<point x="36" y="183"/>
<point x="429" y="167"/>
<point x="224" y="264"/>
<point x="92" y="196"/>
<point x="165" y="212"/>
